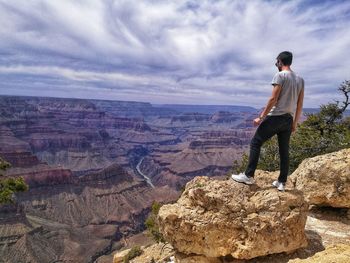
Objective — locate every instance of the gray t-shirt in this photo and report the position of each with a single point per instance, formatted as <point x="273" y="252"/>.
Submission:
<point x="291" y="85"/>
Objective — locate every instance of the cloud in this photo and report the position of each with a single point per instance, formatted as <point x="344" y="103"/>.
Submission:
<point x="200" y="52"/>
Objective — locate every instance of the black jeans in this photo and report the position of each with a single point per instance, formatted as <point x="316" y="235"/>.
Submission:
<point x="271" y="125"/>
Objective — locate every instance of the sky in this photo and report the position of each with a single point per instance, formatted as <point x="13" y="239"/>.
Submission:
<point x="180" y="51"/>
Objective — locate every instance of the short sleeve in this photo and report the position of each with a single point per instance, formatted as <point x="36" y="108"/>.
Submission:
<point x="301" y="86"/>
<point x="277" y="79"/>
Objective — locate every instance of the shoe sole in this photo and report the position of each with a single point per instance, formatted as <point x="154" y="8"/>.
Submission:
<point x="281" y="190"/>
<point x="244" y="182"/>
<point x="274" y="185"/>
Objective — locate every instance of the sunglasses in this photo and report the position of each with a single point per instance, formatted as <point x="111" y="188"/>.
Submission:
<point x="278" y="63"/>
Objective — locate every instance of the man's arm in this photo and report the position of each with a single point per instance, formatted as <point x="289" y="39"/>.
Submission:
<point x="270" y="103"/>
<point x="299" y="109"/>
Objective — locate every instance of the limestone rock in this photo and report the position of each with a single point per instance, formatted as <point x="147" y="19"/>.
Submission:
<point x="325" y="179"/>
<point x="183" y="258"/>
<point x="119" y="256"/>
<point x="159" y="252"/>
<point x="264" y="179"/>
<point x="339" y="253"/>
<point x="220" y="217"/>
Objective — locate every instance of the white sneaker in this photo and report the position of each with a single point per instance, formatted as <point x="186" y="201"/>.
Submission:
<point x="242" y="178"/>
<point x="279" y="185"/>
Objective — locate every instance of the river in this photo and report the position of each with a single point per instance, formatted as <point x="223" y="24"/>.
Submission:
<point x="148" y="180"/>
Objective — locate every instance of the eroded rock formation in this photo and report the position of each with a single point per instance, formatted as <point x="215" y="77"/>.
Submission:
<point x="217" y="218"/>
<point x="325" y="179"/>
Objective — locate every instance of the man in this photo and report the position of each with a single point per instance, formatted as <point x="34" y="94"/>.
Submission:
<point x="280" y="117"/>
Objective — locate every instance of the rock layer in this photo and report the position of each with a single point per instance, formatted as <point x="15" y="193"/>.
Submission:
<point x="216" y="218"/>
<point x="325" y="179"/>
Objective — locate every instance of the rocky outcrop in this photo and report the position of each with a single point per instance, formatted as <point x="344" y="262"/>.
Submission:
<point x="55" y="141"/>
<point x="236" y="133"/>
<point x="225" y="117"/>
<point x="20" y="159"/>
<point x="132" y="108"/>
<point x="119" y="257"/>
<point x="222" y="139"/>
<point x="159" y="252"/>
<point x="218" y="143"/>
<point x="183" y="258"/>
<point x="191" y="117"/>
<point x="216" y="218"/>
<point x="339" y="253"/>
<point x="325" y="179"/>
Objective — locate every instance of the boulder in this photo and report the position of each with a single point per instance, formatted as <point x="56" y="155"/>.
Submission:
<point x="216" y="218"/>
<point x="325" y="179"/>
<point x="183" y="258"/>
<point x="339" y="253"/>
<point x="264" y="179"/>
<point x="119" y="256"/>
<point x="158" y="252"/>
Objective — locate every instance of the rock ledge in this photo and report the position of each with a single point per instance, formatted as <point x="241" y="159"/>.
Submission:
<point x="216" y="218"/>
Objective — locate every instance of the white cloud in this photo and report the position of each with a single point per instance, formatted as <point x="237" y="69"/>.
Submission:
<point x="193" y="51"/>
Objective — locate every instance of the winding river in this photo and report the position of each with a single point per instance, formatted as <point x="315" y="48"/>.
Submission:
<point x="148" y="180"/>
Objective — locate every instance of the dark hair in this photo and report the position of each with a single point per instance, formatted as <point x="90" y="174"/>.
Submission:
<point x="285" y="57"/>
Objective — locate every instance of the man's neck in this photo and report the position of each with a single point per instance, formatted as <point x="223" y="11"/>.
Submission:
<point x="286" y="68"/>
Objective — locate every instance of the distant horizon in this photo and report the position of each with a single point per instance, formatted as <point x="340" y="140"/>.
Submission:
<point x="160" y="104"/>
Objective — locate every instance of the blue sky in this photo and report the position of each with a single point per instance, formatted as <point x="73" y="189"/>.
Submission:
<point x="187" y="52"/>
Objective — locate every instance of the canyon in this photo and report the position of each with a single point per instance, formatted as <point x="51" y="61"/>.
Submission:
<point x="95" y="167"/>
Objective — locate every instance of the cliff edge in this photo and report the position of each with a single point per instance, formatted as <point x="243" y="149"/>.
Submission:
<point x="217" y="218"/>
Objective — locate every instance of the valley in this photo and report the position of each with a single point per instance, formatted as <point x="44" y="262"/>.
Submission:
<point x="95" y="167"/>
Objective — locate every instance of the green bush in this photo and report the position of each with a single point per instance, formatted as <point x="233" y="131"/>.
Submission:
<point x="9" y="185"/>
<point x="4" y="165"/>
<point x="152" y="225"/>
<point x="133" y="253"/>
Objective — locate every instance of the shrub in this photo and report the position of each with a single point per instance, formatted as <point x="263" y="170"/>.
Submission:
<point x="133" y="253"/>
<point x="152" y="223"/>
<point x="9" y="185"/>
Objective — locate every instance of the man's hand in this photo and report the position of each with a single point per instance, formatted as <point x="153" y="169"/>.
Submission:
<point x="256" y="121"/>
<point x="294" y="127"/>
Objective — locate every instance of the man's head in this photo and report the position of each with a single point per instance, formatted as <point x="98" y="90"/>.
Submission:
<point x="284" y="58"/>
